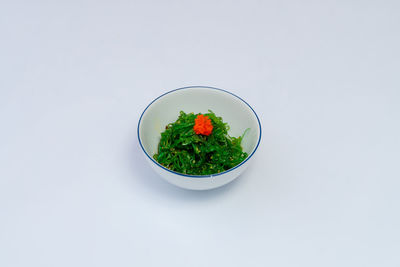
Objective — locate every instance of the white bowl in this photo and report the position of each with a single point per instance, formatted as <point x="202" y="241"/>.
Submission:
<point x="165" y="109"/>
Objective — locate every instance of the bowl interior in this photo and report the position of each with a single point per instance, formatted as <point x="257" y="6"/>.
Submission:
<point x="166" y="108"/>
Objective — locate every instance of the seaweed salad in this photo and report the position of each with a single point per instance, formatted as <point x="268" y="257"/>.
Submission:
<point x="199" y="144"/>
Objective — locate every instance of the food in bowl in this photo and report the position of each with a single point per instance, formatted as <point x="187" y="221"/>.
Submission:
<point x="198" y="99"/>
<point x="199" y="144"/>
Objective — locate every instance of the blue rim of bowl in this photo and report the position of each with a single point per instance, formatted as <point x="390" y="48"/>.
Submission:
<point x="199" y="176"/>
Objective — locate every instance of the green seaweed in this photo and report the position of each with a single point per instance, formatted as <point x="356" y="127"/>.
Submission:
<point x="182" y="150"/>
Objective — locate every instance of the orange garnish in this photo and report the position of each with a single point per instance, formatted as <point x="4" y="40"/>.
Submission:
<point x="202" y="125"/>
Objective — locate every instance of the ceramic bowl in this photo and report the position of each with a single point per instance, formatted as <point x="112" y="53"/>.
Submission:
<point x="198" y="99"/>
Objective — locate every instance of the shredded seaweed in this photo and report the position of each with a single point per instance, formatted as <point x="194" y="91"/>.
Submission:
<point x="182" y="150"/>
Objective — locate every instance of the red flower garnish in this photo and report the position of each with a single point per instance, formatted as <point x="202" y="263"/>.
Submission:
<point x="202" y="125"/>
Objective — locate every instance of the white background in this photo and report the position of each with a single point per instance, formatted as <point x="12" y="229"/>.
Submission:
<point x="323" y="189"/>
